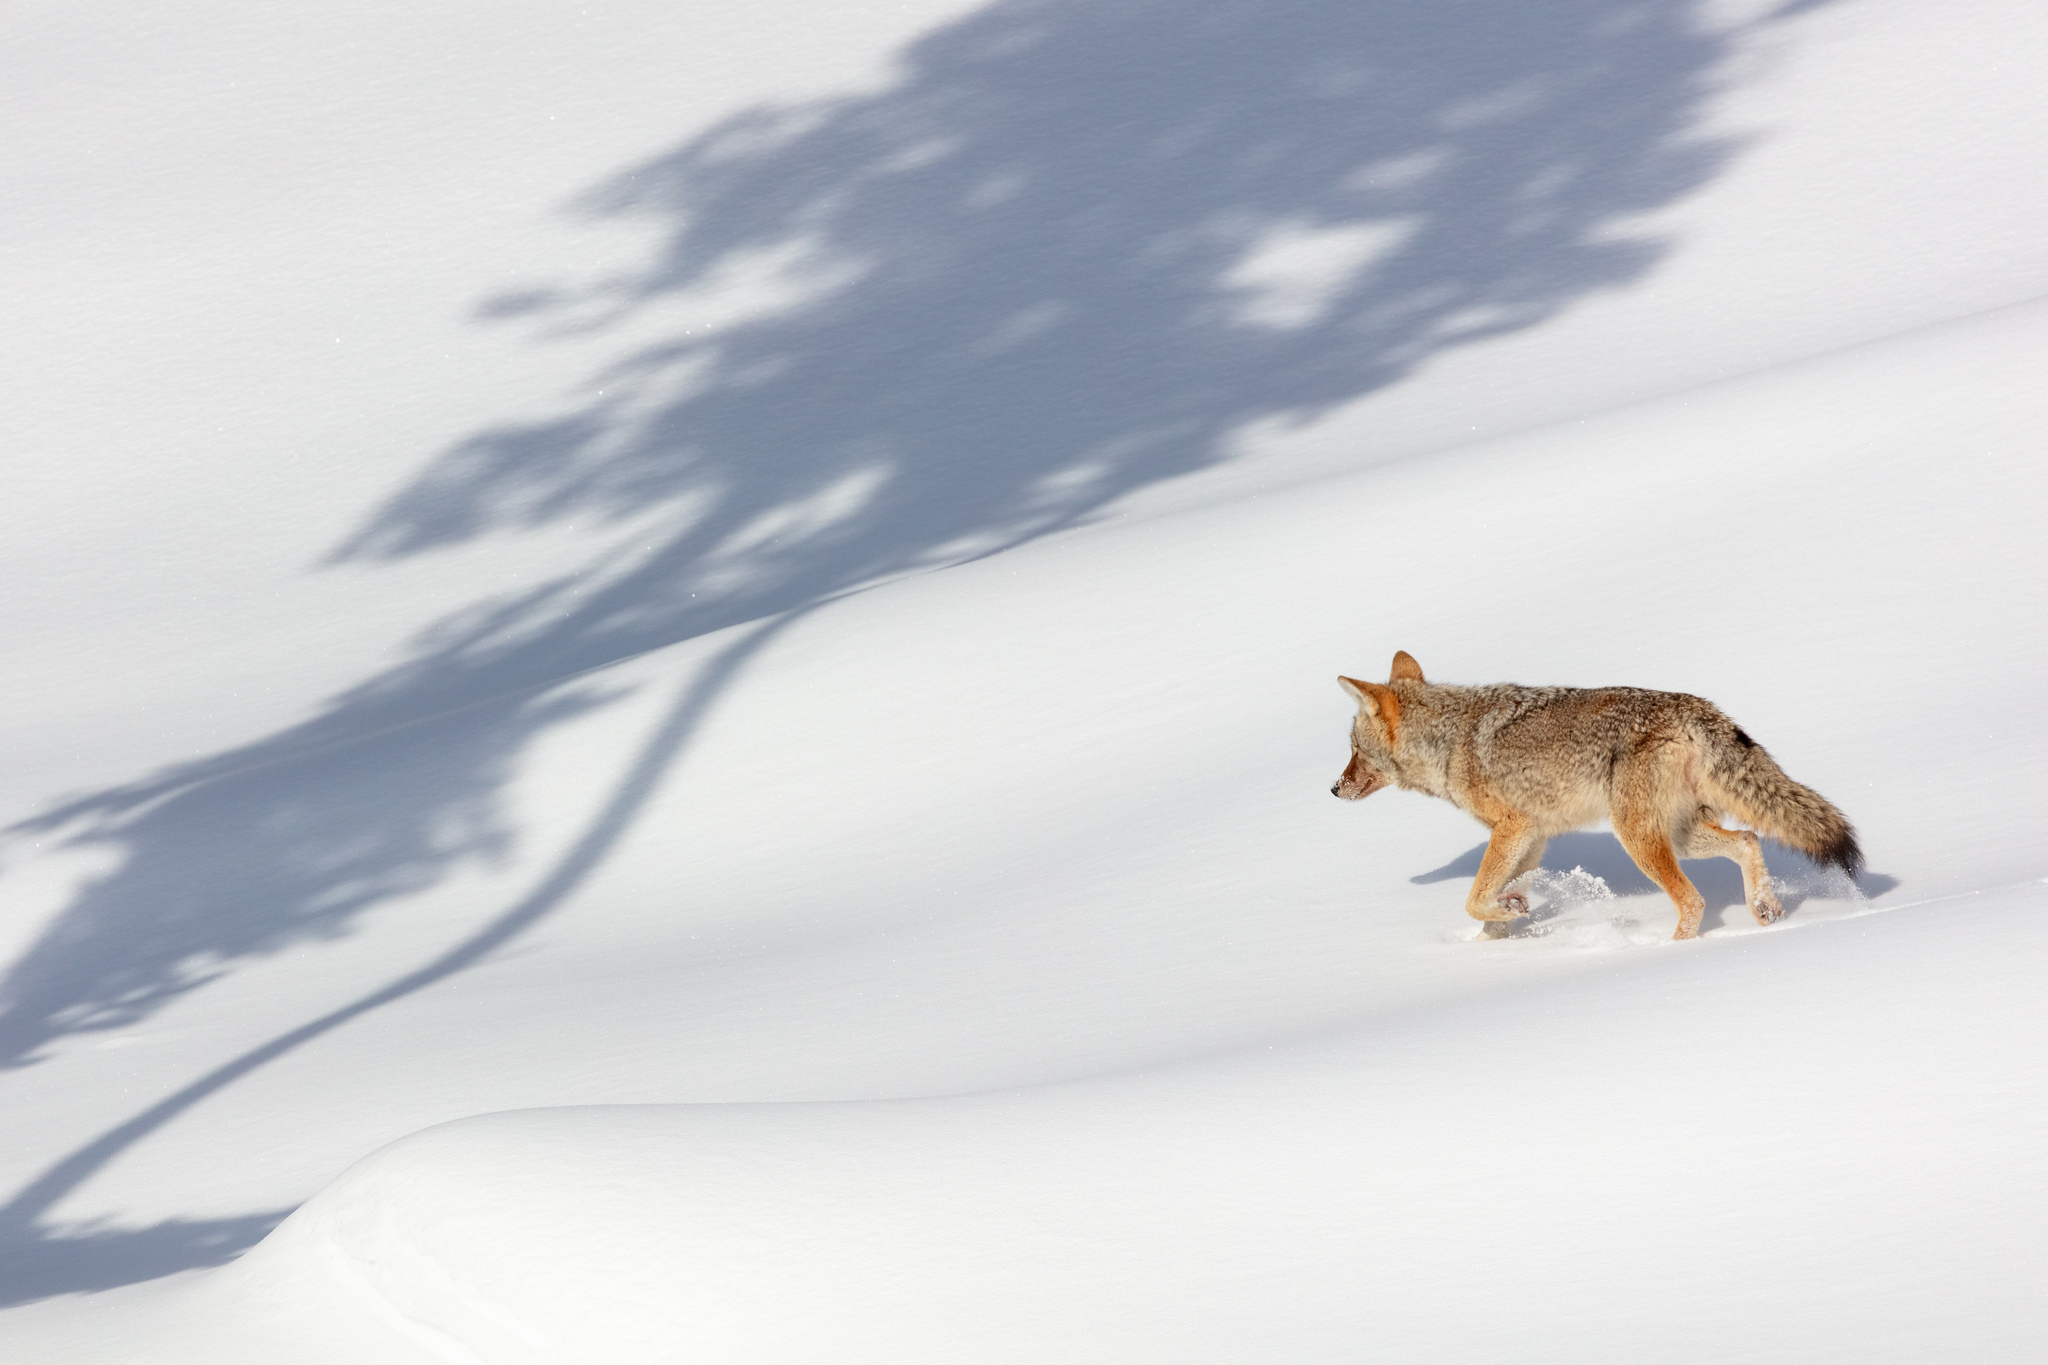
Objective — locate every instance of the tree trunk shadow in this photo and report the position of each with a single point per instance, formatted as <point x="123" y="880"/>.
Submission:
<point x="37" y="1259"/>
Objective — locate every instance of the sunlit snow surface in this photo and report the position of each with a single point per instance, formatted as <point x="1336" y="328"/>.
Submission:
<point x="738" y="771"/>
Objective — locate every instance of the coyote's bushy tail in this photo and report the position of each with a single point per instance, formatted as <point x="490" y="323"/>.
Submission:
<point x="1748" y="782"/>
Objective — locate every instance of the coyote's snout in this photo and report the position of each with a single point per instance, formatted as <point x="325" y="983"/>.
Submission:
<point x="1533" y="762"/>
<point x="1359" y="781"/>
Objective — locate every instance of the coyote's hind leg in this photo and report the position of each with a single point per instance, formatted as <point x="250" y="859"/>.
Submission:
<point x="1704" y="838"/>
<point x="1643" y="834"/>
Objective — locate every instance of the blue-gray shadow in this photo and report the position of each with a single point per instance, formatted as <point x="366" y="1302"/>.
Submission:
<point x="1719" y="880"/>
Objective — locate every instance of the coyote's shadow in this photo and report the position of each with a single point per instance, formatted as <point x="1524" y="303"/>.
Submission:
<point x="1601" y="855"/>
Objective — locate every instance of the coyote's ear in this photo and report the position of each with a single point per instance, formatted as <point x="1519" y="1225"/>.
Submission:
<point x="1377" y="698"/>
<point x="1405" y="667"/>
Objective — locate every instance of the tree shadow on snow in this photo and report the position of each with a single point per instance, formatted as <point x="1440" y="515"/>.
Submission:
<point x="1068" y="252"/>
<point x="1719" y="880"/>
<point x="82" y="1260"/>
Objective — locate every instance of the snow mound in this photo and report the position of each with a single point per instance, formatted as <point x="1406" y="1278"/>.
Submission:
<point x="1667" y="1161"/>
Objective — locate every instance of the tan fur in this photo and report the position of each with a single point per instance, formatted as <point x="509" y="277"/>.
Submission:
<point x="1533" y="762"/>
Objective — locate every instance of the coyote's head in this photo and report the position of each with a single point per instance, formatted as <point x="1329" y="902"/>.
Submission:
<point x="1373" y="732"/>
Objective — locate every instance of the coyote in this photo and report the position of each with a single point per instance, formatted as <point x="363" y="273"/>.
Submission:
<point x="1532" y="762"/>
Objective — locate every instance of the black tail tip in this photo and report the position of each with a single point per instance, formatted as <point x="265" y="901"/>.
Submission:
<point x="1843" y="852"/>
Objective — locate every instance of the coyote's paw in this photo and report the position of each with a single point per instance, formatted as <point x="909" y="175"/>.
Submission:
<point x="1507" y="905"/>
<point x="1765" y="907"/>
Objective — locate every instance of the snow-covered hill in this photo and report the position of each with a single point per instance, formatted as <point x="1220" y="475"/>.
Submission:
<point x="824" y="656"/>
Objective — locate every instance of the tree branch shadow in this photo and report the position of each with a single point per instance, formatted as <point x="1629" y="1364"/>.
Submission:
<point x="25" y="1239"/>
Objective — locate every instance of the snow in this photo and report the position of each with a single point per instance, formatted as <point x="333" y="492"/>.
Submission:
<point x="933" y="939"/>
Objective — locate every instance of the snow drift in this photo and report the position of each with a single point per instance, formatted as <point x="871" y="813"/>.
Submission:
<point x="774" y="778"/>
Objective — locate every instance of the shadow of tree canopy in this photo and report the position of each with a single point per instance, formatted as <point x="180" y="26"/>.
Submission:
<point x="1065" y="254"/>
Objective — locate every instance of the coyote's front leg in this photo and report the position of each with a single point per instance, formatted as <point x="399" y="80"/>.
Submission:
<point x="1507" y="857"/>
